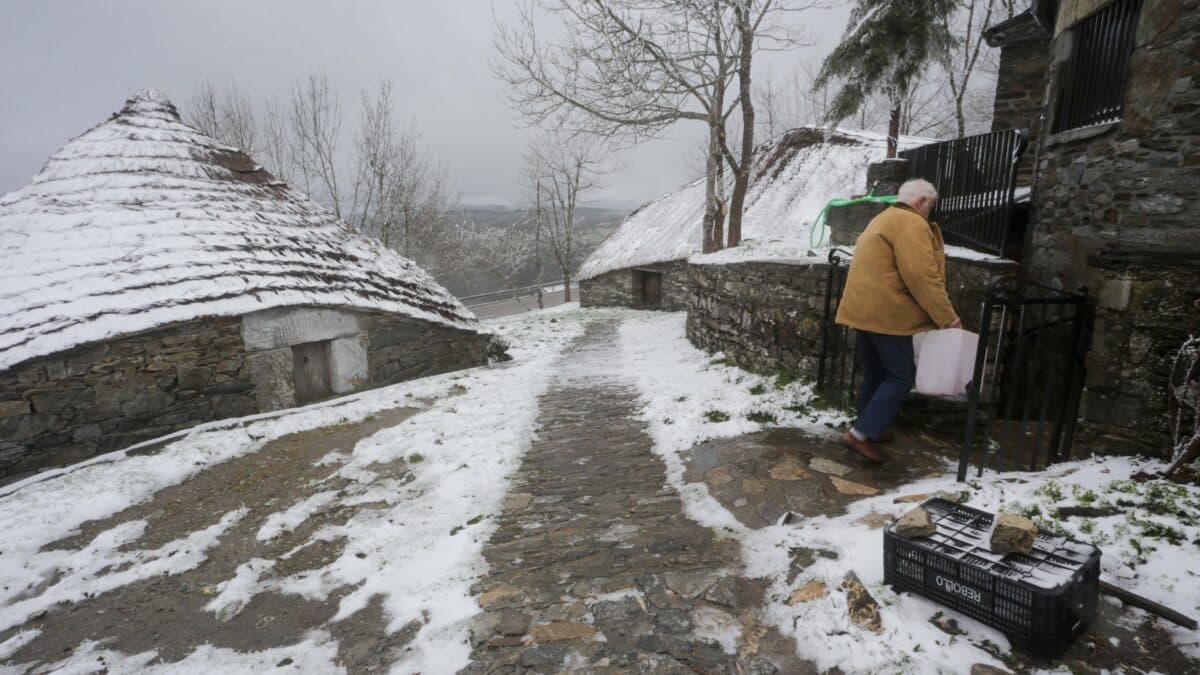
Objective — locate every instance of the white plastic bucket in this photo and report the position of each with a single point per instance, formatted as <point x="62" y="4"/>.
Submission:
<point x="945" y="361"/>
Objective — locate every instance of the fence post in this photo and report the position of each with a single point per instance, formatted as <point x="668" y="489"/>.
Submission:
<point x="985" y="335"/>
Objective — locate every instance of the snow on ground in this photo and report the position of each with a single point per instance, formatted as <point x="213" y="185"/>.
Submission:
<point x="690" y="396"/>
<point x="1151" y="549"/>
<point x="422" y="551"/>
<point x="317" y="653"/>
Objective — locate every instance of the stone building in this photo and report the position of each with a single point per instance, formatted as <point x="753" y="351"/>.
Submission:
<point x="1111" y="90"/>
<point x="643" y="264"/>
<point x="155" y="279"/>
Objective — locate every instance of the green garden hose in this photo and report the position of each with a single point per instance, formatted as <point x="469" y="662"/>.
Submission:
<point x="816" y="233"/>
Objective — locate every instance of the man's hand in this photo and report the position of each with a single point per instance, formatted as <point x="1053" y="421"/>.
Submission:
<point x="957" y="323"/>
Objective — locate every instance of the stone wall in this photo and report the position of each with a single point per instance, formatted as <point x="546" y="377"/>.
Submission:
<point x="1133" y="184"/>
<point x="1128" y="192"/>
<point x="617" y="288"/>
<point x="1146" y="308"/>
<point x="765" y="317"/>
<point x="402" y="349"/>
<point x="103" y="397"/>
<point x="1020" y="89"/>
<point x="768" y="316"/>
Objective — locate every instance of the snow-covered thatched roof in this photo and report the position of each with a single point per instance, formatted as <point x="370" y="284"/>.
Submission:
<point x="793" y="177"/>
<point x="143" y="221"/>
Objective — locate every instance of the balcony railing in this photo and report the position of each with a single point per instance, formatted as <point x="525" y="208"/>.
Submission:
<point x="976" y="181"/>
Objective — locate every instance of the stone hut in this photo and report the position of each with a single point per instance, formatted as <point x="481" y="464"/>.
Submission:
<point x="156" y="279"/>
<point x="643" y="264"/>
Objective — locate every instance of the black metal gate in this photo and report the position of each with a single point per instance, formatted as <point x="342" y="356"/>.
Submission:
<point x="838" y="369"/>
<point x="1023" y="400"/>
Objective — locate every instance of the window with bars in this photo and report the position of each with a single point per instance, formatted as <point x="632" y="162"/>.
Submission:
<point x="1091" y="88"/>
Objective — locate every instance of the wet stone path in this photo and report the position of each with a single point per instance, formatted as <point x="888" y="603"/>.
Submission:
<point x="594" y="567"/>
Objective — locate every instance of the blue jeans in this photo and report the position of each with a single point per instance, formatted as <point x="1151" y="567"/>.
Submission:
<point x="889" y="372"/>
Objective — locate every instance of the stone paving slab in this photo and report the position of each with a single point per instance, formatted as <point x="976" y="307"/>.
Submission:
<point x="594" y="567"/>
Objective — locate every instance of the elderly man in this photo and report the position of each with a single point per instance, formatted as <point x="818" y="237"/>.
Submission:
<point x="895" y="289"/>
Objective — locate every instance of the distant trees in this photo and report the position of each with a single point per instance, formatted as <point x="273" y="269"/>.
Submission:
<point x="503" y="251"/>
<point x="401" y="192"/>
<point x="226" y="115"/>
<point x="386" y="182"/>
<point x="628" y="69"/>
<point x="560" y="171"/>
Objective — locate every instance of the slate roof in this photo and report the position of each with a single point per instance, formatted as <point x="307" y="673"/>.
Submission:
<point x="143" y="221"/>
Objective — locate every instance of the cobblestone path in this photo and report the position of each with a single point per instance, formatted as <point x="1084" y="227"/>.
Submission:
<point x="594" y="567"/>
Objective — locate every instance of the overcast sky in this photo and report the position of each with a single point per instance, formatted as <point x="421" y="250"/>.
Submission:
<point x="66" y="65"/>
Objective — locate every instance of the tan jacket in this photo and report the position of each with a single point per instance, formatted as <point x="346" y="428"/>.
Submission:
<point x="897" y="279"/>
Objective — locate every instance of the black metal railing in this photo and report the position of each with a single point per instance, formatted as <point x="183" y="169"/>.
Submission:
<point x="976" y="181"/>
<point x="1091" y="85"/>
<point x="838" y="369"/>
<point x="1023" y="400"/>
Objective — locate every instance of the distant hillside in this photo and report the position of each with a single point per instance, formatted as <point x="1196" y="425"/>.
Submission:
<point x="596" y="224"/>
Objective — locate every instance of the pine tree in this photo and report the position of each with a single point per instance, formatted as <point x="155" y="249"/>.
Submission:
<point x="886" y="47"/>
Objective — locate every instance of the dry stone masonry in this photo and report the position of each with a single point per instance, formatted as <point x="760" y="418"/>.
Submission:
<point x="209" y="289"/>
<point x="106" y="396"/>
<point x="626" y="287"/>
<point x="1116" y="208"/>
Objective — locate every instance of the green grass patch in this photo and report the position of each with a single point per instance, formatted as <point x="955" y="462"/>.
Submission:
<point x="783" y="378"/>
<point x="758" y="389"/>
<point x="716" y="416"/>
<point x="761" y="417"/>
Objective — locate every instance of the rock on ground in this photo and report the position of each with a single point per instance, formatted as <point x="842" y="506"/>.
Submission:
<point x="862" y="609"/>
<point x="811" y="590"/>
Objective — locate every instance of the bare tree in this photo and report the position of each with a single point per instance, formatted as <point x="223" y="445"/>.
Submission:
<point x="796" y="100"/>
<point x="278" y="146"/>
<point x="562" y="170"/>
<point x="628" y="69"/>
<point x="316" y="123"/>
<point x="227" y="116"/>
<point x="963" y="56"/>
<point x="400" y="191"/>
<point x="927" y="110"/>
<point x="503" y="251"/>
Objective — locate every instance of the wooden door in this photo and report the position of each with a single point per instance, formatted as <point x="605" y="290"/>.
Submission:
<point x="310" y="374"/>
<point x="652" y="294"/>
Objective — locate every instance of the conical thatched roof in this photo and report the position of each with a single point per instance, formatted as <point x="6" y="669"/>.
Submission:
<point x="791" y="179"/>
<point x="143" y="221"/>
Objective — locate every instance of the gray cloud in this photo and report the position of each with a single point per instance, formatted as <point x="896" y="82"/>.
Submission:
<point x="64" y="66"/>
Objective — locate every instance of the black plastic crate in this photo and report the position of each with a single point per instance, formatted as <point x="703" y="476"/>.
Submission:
<point x="1041" y="601"/>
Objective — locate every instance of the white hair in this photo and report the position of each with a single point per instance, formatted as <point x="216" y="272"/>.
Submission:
<point x="916" y="188"/>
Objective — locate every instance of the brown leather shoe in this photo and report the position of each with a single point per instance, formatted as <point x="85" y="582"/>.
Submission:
<point x="864" y="448"/>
